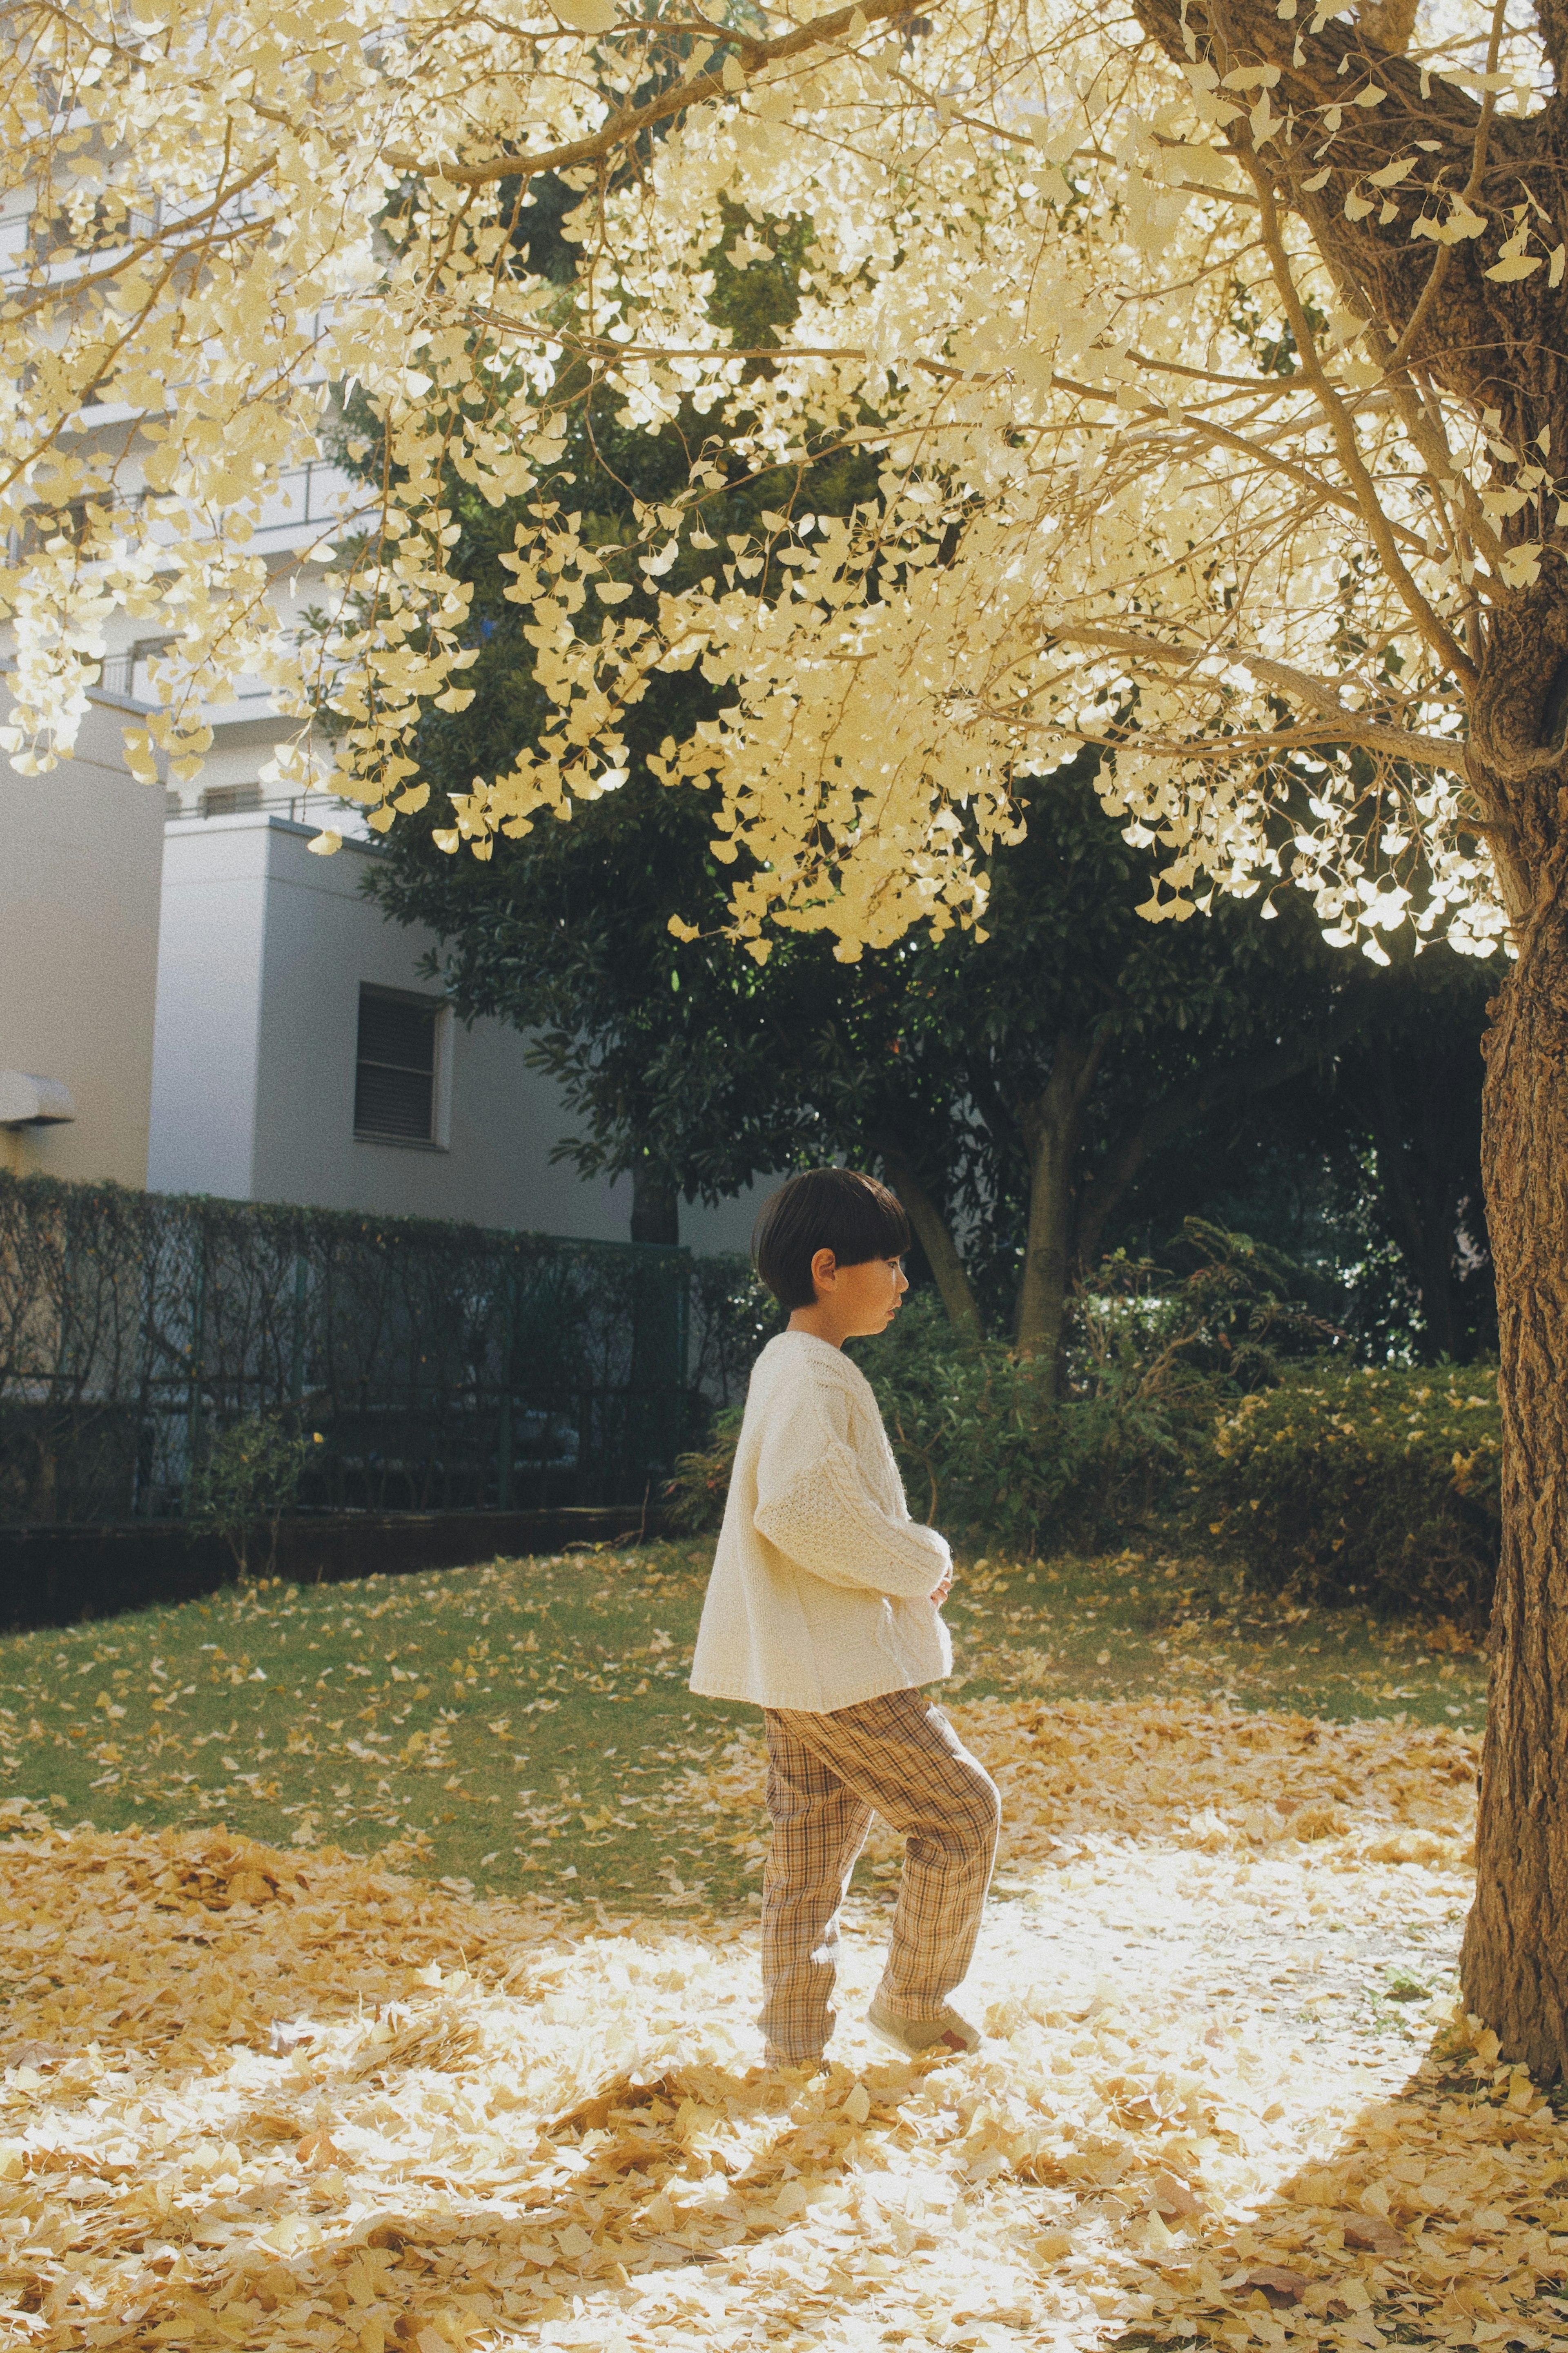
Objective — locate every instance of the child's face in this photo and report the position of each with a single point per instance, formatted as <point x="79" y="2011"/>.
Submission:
<point x="861" y="1298"/>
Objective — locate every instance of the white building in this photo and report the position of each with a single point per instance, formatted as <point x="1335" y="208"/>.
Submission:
<point x="82" y="854"/>
<point x="300" y="1055"/>
<point x="190" y="1000"/>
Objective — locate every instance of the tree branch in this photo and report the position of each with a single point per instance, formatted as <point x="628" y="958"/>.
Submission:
<point x="1470" y="338"/>
<point x="1438" y="636"/>
<point x="1346" y="725"/>
<point x="1225" y="437"/>
<point x="935" y="1238"/>
<point x="178" y="230"/>
<point x="622" y="129"/>
<point x="1439" y="269"/>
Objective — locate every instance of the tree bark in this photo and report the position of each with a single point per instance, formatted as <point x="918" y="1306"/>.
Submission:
<point x="655" y="1207"/>
<point x="1052" y="1126"/>
<point x="1389" y="23"/>
<point x="935" y="1238"/>
<point x="1514" y="1966"/>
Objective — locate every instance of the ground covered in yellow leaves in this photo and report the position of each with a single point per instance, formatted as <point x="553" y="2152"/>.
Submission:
<point x="280" y="2100"/>
<point x="523" y="1724"/>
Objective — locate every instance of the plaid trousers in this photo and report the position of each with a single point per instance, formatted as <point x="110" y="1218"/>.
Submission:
<point x="899" y="1756"/>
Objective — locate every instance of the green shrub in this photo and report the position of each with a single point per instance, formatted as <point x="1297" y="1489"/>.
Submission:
<point x="1379" y="1484"/>
<point x="249" y="1479"/>
<point x="990" y="1449"/>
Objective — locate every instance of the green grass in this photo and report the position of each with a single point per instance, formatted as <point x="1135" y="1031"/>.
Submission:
<point x="527" y="1725"/>
<point x="1137" y="1625"/>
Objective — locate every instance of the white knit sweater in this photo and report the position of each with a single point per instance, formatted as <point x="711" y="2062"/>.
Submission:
<point x="821" y="1588"/>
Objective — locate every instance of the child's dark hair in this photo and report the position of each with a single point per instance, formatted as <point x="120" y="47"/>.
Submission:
<point x="839" y="1209"/>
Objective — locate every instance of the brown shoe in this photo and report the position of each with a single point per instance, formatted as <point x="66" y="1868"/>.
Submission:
<point x="913" y="2037"/>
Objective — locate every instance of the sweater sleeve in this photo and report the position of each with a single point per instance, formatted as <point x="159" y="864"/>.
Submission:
<point x="814" y="1507"/>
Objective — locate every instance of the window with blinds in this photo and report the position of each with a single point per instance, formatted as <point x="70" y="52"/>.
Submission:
<point x="394" y="1068"/>
<point x="231" y="800"/>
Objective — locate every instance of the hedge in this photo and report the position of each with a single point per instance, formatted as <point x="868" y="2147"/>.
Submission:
<point x="1380" y="1484"/>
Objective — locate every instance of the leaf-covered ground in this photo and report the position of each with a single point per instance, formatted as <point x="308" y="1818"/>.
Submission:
<point x="527" y="1725"/>
<point x="275" y="2095"/>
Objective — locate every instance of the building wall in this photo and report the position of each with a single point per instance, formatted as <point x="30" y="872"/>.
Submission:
<point x="207" y="1040"/>
<point x="81" y="852"/>
<point x="265" y="947"/>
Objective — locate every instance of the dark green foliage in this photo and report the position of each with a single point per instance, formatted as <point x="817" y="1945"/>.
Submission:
<point x="249" y="1479"/>
<point x="694" y="1500"/>
<point x="990" y="1450"/>
<point x="1366" y="1168"/>
<point x="1207" y="1383"/>
<point x="664" y="1051"/>
<point x="446" y="1368"/>
<point x="1378" y="1484"/>
<point x="1238" y="1067"/>
<point x="732" y="1319"/>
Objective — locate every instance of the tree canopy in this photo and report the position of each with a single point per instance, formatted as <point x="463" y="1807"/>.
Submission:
<point x="1100" y="297"/>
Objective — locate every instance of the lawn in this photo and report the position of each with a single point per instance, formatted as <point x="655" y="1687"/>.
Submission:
<point x="525" y="1725"/>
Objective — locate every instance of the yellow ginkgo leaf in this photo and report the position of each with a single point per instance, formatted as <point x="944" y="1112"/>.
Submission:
<point x="586" y="15"/>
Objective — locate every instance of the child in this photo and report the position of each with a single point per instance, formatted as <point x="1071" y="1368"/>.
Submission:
<point x="822" y="1608"/>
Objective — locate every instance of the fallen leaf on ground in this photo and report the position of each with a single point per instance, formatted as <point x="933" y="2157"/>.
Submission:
<point x="1366" y="2230"/>
<point x="1289" y="2287"/>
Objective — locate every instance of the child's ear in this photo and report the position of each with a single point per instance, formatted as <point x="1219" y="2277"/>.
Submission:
<point x="825" y="1269"/>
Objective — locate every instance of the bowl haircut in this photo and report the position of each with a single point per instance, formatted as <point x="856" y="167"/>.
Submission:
<point x="839" y="1209"/>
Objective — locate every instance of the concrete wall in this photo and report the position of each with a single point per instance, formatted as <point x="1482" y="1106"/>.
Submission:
<point x="264" y="951"/>
<point x="81" y="852"/>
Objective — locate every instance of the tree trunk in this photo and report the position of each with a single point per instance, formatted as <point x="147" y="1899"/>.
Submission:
<point x="932" y="1232"/>
<point x="1052" y="1126"/>
<point x="1514" y="1967"/>
<point x="655" y="1207"/>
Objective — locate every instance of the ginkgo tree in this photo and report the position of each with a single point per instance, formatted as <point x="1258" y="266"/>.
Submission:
<point x="1207" y="352"/>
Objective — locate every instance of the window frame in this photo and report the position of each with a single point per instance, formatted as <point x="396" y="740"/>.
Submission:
<point x="440" y="1011"/>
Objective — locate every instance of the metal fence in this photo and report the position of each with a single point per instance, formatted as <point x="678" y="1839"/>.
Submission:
<point x="445" y="1366"/>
